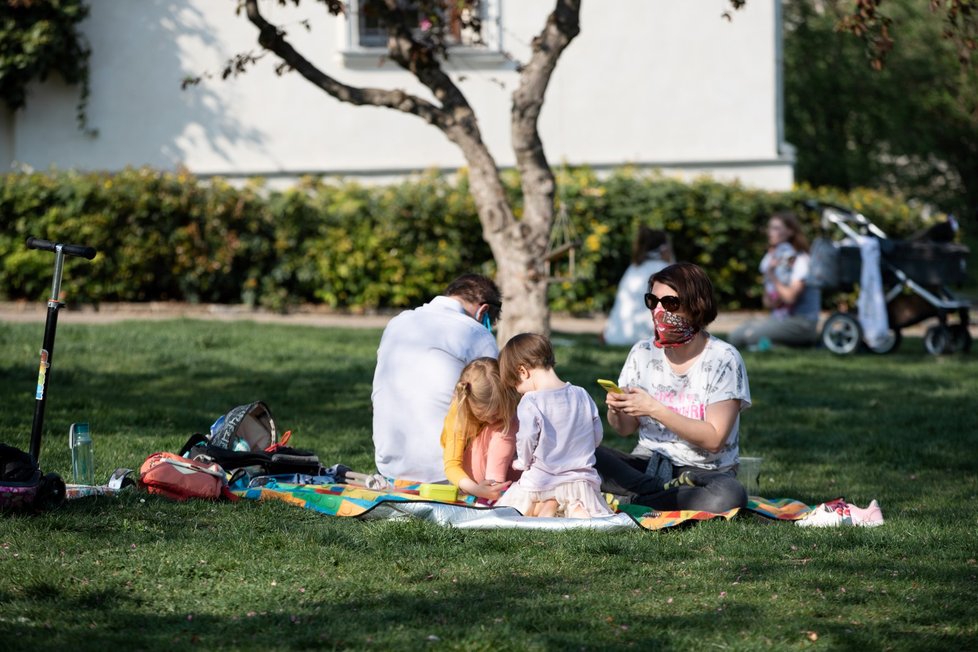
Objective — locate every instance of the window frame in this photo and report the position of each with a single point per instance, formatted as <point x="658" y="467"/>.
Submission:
<point x="354" y="52"/>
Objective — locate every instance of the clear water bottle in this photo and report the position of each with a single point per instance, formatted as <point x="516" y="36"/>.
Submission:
<point x="82" y="454"/>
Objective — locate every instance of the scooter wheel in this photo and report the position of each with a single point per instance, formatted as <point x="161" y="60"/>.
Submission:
<point x="841" y="333"/>
<point x="960" y="338"/>
<point x="51" y="491"/>
<point x="937" y="339"/>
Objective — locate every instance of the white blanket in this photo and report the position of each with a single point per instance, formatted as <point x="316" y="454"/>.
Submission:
<point x="492" y="519"/>
<point x="871" y="303"/>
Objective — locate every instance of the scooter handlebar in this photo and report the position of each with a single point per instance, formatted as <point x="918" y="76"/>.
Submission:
<point x="68" y="249"/>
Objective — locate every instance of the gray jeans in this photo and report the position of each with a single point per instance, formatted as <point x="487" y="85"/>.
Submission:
<point x="793" y="331"/>
<point x="628" y="475"/>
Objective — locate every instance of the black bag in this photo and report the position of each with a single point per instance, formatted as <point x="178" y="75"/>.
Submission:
<point x="22" y="487"/>
<point x="282" y="459"/>
<point x="246" y="438"/>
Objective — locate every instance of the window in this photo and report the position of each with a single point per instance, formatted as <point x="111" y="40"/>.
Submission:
<point x="370" y="32"/>
<point x="471" y="28"/>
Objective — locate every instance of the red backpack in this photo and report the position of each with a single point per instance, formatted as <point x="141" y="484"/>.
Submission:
<point x="178" y="478"/>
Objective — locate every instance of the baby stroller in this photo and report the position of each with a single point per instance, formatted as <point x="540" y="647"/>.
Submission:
<point x="915" y="275"/>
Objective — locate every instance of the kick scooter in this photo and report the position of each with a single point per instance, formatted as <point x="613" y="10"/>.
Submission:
<point x="50" y="327"/>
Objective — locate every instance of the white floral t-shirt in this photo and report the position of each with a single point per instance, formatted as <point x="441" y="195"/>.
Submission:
<point x="718" y="375"/>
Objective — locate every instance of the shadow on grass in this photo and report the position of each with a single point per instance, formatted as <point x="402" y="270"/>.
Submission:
<point x="149" y="574"/>
<point x="540" y="611"/>
<point x="474" y="614"/>
<point x="147" y="387"/>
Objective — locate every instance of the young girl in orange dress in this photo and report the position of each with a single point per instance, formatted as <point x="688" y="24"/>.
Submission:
<point x="479" y="434"/>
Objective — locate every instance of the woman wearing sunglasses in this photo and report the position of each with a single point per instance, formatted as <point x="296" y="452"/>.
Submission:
<point x="683" y="392"/>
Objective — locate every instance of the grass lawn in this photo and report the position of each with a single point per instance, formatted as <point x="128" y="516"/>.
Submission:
<point x="139" y="572"/>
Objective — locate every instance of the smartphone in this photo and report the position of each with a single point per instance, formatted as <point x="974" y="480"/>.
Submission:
<point x="609" y="386"/>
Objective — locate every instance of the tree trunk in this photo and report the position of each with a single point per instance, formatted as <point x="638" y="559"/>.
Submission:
<point x="519" y="247"/>
<point x="521" y="278"/>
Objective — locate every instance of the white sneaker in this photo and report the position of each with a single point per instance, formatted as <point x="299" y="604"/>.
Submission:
<point x="831" y="514"/>
<point x="871" y="516"/>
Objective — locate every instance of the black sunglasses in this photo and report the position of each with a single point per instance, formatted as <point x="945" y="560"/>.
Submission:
<point x="669" y="303"/>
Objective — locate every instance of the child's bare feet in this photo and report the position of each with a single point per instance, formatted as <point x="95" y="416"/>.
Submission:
<point x="546" y="509"/>
<point x="577" y="510"/>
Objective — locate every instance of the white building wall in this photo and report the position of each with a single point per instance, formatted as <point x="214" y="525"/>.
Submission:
<point x="666" y="83"/>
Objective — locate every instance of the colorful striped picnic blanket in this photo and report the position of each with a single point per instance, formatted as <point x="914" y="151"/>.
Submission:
<point x="337" y="499"/>
<point x="347" y="500"/>
<point x="781" y="509"/>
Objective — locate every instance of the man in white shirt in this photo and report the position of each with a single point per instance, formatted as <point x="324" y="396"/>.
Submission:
<point x="421" y="355"/>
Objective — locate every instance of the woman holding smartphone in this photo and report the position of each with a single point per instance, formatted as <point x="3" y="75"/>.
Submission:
<point x="682" y="392"/>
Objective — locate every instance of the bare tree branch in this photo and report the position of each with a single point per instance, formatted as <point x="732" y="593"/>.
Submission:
<point x="420" y="59"/>
<point x="460" y="124"/>
<point x="273" y="39"/>
<point x="518" y="246"/>
<point x="960" y="25"/>
<point x="455" y="118"/>
<point x="562" y="26"/>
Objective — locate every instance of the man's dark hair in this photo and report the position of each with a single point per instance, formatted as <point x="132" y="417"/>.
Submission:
<point x="477" y="289"/>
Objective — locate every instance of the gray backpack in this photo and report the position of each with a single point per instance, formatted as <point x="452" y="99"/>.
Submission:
<point x="245" y="428"/>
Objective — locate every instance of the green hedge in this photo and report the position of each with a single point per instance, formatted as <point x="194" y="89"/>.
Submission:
<point x="720" y="226"/>
<point x="171" y="236"/>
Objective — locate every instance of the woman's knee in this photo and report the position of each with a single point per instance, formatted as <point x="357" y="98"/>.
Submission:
<point x="749" y="333"/>
<point x="719" y="492"/>
<point x="726" y="493"/>
<point x="738" y="337"/>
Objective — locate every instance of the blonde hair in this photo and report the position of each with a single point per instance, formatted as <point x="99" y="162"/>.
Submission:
<point x="481" y="398"/>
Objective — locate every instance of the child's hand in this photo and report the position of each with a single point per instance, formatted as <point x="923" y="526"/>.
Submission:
<point x="490" y="489"/>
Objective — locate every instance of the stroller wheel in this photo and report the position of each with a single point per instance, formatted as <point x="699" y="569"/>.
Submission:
<point x="841" y="334"/>
<point x="888" y="344"/>
<point x="960" y="338"/>
<point x="937" y="339"/>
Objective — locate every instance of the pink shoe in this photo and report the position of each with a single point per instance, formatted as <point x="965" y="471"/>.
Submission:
<point x="871" y="516"/>
<point x="831" y="514"/>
